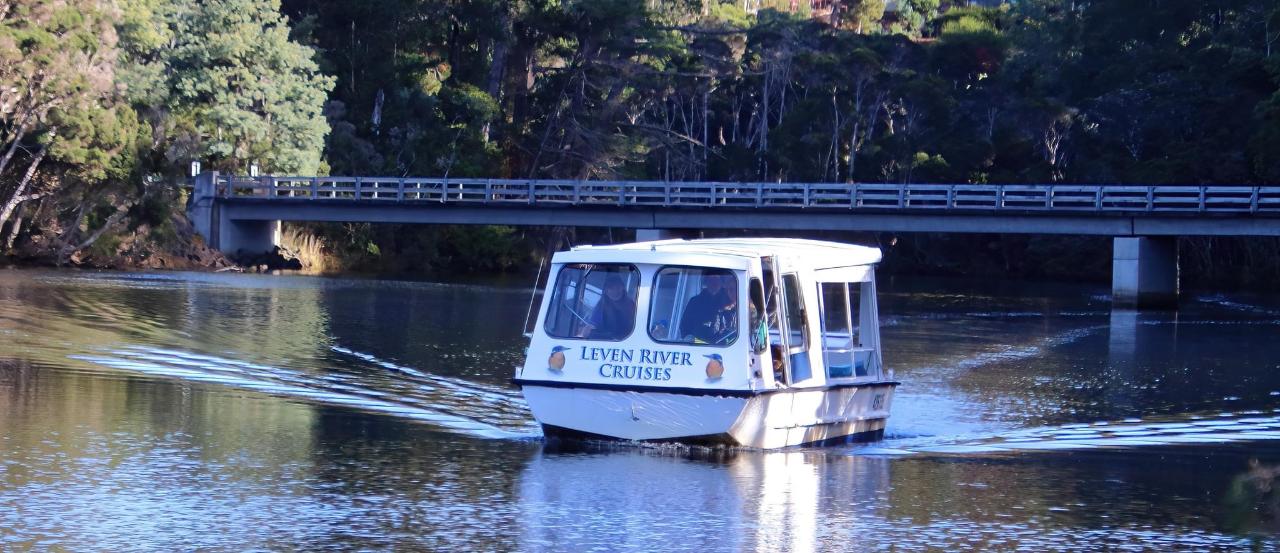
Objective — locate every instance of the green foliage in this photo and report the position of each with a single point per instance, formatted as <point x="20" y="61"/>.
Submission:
<point x="912" y="15"/>
<point x="225" y="83"/>
<point x="63" y="123"/>
<point x="1032" y="91"/>
<point x="866" y="15"/>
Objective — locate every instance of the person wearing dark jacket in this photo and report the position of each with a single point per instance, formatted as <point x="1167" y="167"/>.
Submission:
<point x="614" y="314"/>
<point x="702" y="313"/>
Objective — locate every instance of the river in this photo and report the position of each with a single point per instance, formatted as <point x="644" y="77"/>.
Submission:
<point x="184" y="411"/>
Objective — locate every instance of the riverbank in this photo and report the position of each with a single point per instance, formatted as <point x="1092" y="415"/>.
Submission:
<point x="452" y="252"/>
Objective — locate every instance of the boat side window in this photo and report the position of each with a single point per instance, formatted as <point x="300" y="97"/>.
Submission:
<point x="840" y="340"/>
<point x="756" y="326"/>
<point x="593" y="302"/>
<point x="795" y="310"/>
<point x="694" y="305"/>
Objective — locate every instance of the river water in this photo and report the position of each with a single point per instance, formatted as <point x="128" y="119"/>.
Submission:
<point x="180" y="411"/>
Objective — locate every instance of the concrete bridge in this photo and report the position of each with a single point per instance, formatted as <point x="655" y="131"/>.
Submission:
<point x="244" y="213"/>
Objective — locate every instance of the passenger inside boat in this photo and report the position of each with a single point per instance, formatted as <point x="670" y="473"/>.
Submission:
<point x="709" y="316"/>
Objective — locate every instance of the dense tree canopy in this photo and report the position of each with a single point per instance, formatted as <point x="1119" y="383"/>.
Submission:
<point x="105" y="98"/>
<point x="1042" y="90"/>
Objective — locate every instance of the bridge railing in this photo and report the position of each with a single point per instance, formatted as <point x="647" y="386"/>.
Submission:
<point x="863" y="196"/>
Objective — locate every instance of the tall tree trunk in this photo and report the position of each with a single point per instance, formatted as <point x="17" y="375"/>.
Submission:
<point x="833" y="161"/>
<point x="498" y="65"/>
<point x="859" y="88"/>
<point x="706" y="101"/>
<point x="17" y="140"/>
<point x="17" y="198"/>
<point x="14" y="229"/>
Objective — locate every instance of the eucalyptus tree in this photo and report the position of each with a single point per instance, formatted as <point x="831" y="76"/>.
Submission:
<point x="222" y="81"/>
<point x="61" y="114"/>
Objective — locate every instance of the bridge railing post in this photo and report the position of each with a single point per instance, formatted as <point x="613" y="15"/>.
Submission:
<point x="532" y="197"/>
<point x="759" y="194"/>
<point x="1253" y="200"/>
<point x="1202" y="199"/>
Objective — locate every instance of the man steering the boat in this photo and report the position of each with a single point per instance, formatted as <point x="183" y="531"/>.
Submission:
<point x="614" y="314"/>
<point x="708" y="317"/>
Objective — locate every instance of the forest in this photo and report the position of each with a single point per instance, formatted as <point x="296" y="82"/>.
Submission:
<point x="105" y="103"/>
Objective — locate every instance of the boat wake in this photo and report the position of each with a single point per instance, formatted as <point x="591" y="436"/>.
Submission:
<point x="1222" y="301"/>
<point x="1223" y="428"/>
<point x="1026" y="351"/>
<point x="450" y="404"/>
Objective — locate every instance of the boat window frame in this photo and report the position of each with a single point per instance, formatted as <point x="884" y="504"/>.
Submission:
<point x="873" y="370"/>
<point x="653" y="294"/>
<point x="802" y="314"/>
<point x="556" y="285"/>
<point x="771" y="278"/>
<point x="758" y="329"/>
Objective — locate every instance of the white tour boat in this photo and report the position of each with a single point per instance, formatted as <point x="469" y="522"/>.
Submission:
<point x="751" y="342"/>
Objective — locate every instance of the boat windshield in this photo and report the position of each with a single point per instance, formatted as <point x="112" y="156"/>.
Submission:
<point x="694" y="306"/>
<point x="593" y="301"/>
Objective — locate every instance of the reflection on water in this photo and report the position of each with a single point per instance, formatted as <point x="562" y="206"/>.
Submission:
<point x="232" y="412"/>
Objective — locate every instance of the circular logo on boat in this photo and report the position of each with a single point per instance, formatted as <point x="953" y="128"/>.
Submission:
<point x="556" y="361"/>
<point x="715" y="367"/>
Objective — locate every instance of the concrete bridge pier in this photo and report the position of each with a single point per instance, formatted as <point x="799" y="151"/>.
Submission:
<point x="651" y="234"/>
<point x="223" y="233"/>
<point x="1144" y="272"/>
<point x="248" y="237"/>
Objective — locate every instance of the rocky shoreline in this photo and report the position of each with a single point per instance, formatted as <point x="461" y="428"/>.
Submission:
<point x="175" y="247"/>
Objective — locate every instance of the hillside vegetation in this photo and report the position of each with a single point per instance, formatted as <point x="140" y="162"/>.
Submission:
<point x="105" y="103"/>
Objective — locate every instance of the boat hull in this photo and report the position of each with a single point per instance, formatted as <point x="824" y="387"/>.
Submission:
<point x="765" y="420"/>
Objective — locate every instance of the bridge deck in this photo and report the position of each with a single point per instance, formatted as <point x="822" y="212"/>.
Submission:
<point x="1056" y="198"/>
<point x="1111" y="210"/>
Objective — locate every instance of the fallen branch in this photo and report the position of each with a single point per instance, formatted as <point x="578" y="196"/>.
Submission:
<point x="112" y="221"/>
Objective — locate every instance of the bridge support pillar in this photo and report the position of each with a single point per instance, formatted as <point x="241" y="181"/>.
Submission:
<point x="223" y="233"/>
<point x="1144" y="272"/>
<point x="247" y="237"/>
<point x="201" y="209"/>
<point x="651" y="234"/>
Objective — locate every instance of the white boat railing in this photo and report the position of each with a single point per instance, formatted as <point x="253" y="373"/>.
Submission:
<point x="772" y="195"/>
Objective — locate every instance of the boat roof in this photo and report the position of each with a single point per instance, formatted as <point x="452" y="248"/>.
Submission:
<point x="791" y="251"/>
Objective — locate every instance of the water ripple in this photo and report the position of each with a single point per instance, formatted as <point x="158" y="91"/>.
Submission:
<point x="1132" y="433"/>
<point x="450" y="404"/>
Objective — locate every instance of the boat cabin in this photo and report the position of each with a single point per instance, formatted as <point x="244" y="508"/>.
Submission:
<point x="744" y="315"/>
